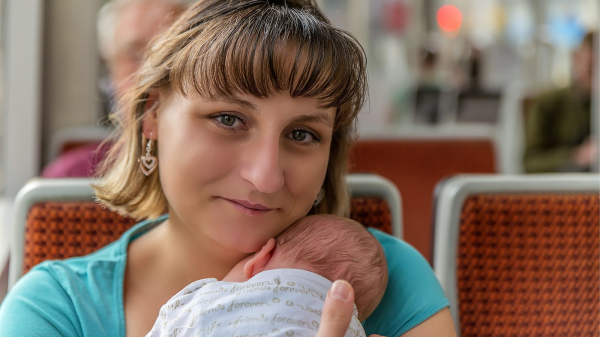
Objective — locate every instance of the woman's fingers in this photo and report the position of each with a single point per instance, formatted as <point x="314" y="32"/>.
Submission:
<point x="337" y="311"/>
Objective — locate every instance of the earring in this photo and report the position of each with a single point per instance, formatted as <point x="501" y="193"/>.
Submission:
<point x="319" y="197"/>
<point x="154" y="106"/>
<point x="148" y="162"/>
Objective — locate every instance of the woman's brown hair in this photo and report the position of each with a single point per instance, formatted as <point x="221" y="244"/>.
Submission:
<point x="220" y="48"/>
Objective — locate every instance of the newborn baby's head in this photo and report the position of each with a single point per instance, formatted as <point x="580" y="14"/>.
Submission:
<point x="331" y="246"/>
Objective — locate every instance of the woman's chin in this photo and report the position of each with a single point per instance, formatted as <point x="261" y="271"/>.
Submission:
<point x="238" y="240"/>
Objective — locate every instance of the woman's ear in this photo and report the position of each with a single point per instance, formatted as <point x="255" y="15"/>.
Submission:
<point x="150" y="121"/>
<point x="260" y="259"/>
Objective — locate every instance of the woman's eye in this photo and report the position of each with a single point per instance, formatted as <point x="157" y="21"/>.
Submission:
<point x="299" y="135"/>
<point x="304" y="137"/>
<point x="227" y="120"/>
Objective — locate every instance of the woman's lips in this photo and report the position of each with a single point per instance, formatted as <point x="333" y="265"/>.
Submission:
<point x="248" y="208"/>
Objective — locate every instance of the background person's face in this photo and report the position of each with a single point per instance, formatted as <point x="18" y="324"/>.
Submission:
<point x="583" y="62"/>
<point x="215" y="155"/>
<point x="137" y="24"/>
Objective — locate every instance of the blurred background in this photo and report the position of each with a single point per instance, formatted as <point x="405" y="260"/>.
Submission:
<point x="456" y="86"/>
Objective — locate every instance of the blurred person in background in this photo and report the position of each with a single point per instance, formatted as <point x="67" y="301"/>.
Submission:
<point x="473" y="70"/>
<point x="428" y="92"/>
<point x="125" y="29"/>
<point x="428" y="62"/>
<point x="557" y="128"/>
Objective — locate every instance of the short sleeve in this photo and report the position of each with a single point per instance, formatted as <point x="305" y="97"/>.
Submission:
<point x="413" y="293"/>
<point x="38" y="306"/>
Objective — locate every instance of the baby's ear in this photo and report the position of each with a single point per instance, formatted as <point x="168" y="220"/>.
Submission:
<point x="260" y="259"/>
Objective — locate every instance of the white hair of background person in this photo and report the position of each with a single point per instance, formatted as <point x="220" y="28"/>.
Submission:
<point x="107" y="21"/>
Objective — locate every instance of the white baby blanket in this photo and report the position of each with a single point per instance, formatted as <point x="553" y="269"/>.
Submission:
<point x="280" y="302"/>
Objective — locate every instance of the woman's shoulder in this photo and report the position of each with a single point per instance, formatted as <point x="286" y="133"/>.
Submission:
<point x="50" y="300"/>
<point x="401" y="255"/>
<point x="73" y="297"/>
<point x="37" y="302"/>
<point x="413" y="294"/>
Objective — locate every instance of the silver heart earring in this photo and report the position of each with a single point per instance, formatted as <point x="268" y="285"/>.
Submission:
<point x="148" y="162"/>
<point x="319" y="197"/>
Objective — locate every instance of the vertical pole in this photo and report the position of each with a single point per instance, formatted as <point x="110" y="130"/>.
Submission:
<point x="22" y="69"/>
<point x="595" y="118"/>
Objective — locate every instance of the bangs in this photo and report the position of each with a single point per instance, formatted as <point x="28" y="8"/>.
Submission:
<point x="265" y="49"/>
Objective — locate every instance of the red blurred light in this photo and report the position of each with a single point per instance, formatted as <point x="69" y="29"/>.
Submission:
<point x="449" y="18"/>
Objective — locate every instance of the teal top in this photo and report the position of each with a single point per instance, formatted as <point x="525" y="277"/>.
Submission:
<point x="83" y="296"/>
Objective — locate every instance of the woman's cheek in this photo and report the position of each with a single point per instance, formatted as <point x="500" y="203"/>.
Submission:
<point x="191" y="161"/>
<point x="306" y="179"/>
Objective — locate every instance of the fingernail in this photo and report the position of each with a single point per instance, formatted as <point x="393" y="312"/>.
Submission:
<point x="340" y="291"/>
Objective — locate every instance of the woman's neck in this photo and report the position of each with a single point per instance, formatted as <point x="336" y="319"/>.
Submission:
<point x="173" y="256"/>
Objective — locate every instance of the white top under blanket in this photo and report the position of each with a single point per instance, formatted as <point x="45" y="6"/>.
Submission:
<point x="280" y="302"/>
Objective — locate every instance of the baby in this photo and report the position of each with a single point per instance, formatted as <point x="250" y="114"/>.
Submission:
<point x="281" y="289"/>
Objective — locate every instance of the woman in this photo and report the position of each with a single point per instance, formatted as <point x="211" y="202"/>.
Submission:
<point x="238" y="126"/>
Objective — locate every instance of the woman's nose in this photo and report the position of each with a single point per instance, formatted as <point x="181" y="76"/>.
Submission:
<point x="262" y="165"/>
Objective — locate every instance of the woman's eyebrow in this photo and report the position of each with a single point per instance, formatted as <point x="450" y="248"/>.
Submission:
<point x="236" y="100"/>
<point x="319" y="117"/>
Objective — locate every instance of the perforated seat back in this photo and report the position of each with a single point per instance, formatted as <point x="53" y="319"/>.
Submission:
<point x="59" y="230"/>
<point x="528" y="265"/>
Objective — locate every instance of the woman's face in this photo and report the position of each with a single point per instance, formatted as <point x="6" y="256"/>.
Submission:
<point x="240" y="170"/>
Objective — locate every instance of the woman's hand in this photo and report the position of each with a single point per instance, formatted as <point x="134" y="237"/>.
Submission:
<point x="337" y="311"/>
